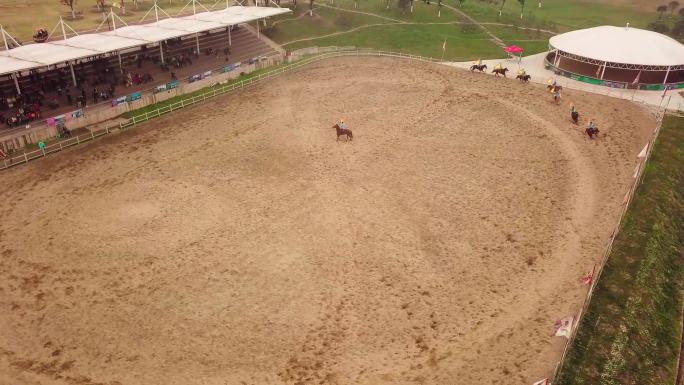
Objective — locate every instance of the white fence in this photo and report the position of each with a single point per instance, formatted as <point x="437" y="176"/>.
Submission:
<point x="609" y="246"/>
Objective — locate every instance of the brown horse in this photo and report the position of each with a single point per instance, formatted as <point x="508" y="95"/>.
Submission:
<point x="524" y="78"/>
<point x="592" y="131"/>
<point x="499" y="71"/>
<point x="479" y="67"/>
<point x="343" y="131"/>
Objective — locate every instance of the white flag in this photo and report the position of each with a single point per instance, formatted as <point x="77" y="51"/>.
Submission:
<point x="444" y="45"/>
<point x="564" y="326"/>
<point x="643" y="152"/>
<point x="542" y="382"/>
<point x="636" y="80"/>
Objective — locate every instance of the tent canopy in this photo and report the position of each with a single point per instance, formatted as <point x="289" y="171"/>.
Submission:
<point x="32" y="56"/>
<point x="47" y="54"/>
<point x="99" y="42"/>
<point x="621" y="45"/>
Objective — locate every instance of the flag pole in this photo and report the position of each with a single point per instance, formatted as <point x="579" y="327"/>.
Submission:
<point x="443" y="50"/>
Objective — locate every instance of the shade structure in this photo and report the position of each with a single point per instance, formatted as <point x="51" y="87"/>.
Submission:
<point x="619" y="57"/>
<point x="47" y="54"/>
<point x="188" y="25"/>
<point x="621" y="45"/>
<point x="514" y="49"/>
<point x="99" y="42"/>
<point x="9" y="65"/>
<point x="147" y="33"/>
<point x="32" y="56"/>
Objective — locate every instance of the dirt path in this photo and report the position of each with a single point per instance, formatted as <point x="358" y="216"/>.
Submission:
<point x="229" y="244"/>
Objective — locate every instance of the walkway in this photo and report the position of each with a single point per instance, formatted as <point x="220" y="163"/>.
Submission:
<point x="534" y="66"/>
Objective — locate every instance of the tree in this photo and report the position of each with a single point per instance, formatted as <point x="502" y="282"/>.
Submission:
<point x="678" y="29"/>
<point x="674" y="4"/>
<point x="681" y="12"/>
<point x="661" y="10"/>
<point x="460" y="3"/>
<point x="404" y="5"/>
<point x="70" y="4"/>
<point x="503" y="2"/>
<point x="522" y="7"/>
<point x="658" y="26"/>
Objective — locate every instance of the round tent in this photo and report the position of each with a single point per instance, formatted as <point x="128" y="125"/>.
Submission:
<point x="618" y="57"/>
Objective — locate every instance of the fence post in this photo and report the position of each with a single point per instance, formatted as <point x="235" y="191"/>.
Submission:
<point x="25" y="158"/>
<point x="78" y="140"/>
<point x="92" y="136"/>
<point x="60" y="145"/>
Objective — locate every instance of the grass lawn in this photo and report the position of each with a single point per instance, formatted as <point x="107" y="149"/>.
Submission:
<point x="563" y="15"/>
<point x="631" y="331"/>
<point x="423" y="40"/>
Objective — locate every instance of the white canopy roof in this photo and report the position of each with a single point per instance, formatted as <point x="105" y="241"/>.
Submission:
<point x="187" y="24"/>
<point x="11" y="64"/>
<point x="47" y="54"/>
<point x="621" y="45"/>
<point x="99" y="42"/>
<point x="147" y="32"/>
<point x="39" y="55"/>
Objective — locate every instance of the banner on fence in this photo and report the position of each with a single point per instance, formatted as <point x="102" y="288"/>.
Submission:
<point x="563" y="327"/>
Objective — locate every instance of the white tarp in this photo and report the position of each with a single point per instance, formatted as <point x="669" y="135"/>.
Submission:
<point x="99" y="42"/>
<point x="621" y="45"/>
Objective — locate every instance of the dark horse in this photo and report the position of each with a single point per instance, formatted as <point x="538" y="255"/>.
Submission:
<point x="499" y="71"/>
<point x="592" y="131"/>
<point x="479" y="67"/>
<point x="524" y="78"/>
<point x="343" y="131"/>
<point x="575" y="116"/>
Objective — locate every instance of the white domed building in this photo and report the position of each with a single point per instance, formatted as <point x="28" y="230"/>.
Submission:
<point x="620" y="57"/>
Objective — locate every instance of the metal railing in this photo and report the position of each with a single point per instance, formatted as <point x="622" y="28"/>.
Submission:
<point x="213" y="91"/>
<point x="638" y="177"/>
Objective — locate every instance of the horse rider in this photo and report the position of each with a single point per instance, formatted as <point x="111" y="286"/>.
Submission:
<point x="591" y="125"/>
<point x="343" y="125"/>
<point x="557" y="94"/>
<point x="572" y="109"/>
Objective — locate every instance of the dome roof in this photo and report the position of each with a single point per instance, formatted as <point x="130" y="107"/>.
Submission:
<point x="621" y="45"/>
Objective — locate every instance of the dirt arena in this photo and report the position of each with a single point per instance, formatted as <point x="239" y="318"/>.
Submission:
<point x="238" y="243"/>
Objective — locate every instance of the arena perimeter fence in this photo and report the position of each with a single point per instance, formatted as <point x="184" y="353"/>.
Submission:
<point x="316" y="56"/>
<point x="638" y="178"/>
<point x="215" y="90"/>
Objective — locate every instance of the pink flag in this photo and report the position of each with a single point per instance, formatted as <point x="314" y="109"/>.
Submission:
<point x="589" y="278"/>
<point x="643" y="152"/>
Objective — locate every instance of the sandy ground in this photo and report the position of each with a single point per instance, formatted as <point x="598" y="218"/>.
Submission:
<point x="239" y="243"/>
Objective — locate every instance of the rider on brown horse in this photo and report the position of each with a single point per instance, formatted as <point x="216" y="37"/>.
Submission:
<point x="341" y="129"/>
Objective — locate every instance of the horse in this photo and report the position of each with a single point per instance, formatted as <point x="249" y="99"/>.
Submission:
<point x="479" y="67"/>
<point x="575" y="117"/>
<point x="592" y="131"/>
<point x="524" y="78"/>
<point x="499" y="71"/>
<point x="343" y="131"/>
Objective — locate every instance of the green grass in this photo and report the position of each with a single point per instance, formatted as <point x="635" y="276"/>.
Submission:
<point x="631" y="331"/>
<point x="423" y="40"/>
<point x="562" y="15"/>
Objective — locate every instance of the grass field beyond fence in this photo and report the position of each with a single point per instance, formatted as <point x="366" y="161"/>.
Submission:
<point x="632" y="329"/>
